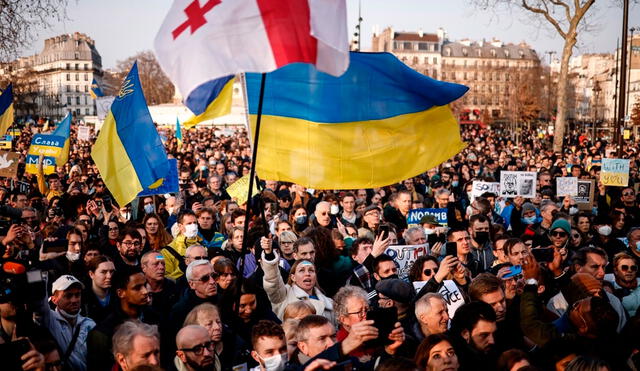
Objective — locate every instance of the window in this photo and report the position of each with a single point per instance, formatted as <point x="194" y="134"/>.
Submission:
<point x="435" y="60"/>
<point x="86" y="66"/>
<point x="68" y="66"/>
<point x="77" y="77"/>
<point x="423" y="46"/>
<point x="77" y="66"/>
<point x="426" y="60"/>
<point x="86" y="111"/>
<point x="464" y="75"/>
<point x="86" y="88"/>
<point x="78" y="100"/>
<point x="78" y="112"/>
<point x="69" y="100"/>
<point x="77" y="55"/>
<point x="68" y="88"/>
<point x="68" y="77"/>
<point x="86" y="100"/>
<point x="444" y="75"/>
<point x="395" y="45"/>
<point x="435" y="47"/>
<point x="415" y="60"/>
<point x="435" y="74"/>
<point x="77" y="88"/>
<point x="407" y="46"/>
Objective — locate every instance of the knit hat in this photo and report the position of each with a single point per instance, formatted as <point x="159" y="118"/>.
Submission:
<point x="528" y="206"/>
<point x="396" y="290"/>
<point x="562" y="224"/>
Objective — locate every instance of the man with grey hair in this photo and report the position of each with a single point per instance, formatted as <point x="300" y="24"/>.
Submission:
<point x="195" y="351"/>
<point x="193" y="253"/>
<point x="202" y="289"/>
<point x="415" y="236"/>
<point x="136" y="344"/>
<point x="432" y="315"/>
<point x="323" y="214"/>
<point x="163" y="291"/>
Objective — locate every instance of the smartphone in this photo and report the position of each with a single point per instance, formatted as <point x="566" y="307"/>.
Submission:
<point x="383" y="231"/>
<point x="514" y="270"/>
<point x="10" y="354"/>
<point x="543" y="254"/>
<point x="434" y="238"/>
<point x="451" y="248"/>
<point x="384" y="319"/>
<point x="59" y="245"/>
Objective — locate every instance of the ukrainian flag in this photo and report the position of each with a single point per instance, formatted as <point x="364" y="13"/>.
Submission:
<point x="128" y="151"/>
<point x="178" y="133"/>
<point x="6" y="109"/>
<point x="377" y="124"/>
<point x="95" y="90"/>
<point x="210" y="100"/>
<point x="64" y="130"/>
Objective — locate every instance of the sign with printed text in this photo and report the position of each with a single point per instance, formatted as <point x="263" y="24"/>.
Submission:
<point x="239" y="189"/>
<point x="452" y="296"/>
<point x="83" y="133"/>
<point x="5" y="144"/>
<point x="405" y="256"/>
<point x="585" y="196"/>
<point x="170" y="183"/>
<point x="9" y="164"/>
<point x="615" y="172"/>
<point x="479" y="188"/>
<point x="567" y="186"/>
<point x="518" y="183"/>
<point x="414" y="216"/>
<point x="49" y="146"/>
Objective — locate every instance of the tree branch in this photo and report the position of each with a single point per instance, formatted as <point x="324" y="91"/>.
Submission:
<point x="547" y="16"/>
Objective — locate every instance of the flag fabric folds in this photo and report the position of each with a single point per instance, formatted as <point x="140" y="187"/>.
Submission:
<point x="245" y="36"/>
<point x="378" y="123"/>
<point x="6" y="109"/>
<point x="64" y="130"/>
<point x="128" y="151"/>
<point x="178" y="133"/>
<point x="95" y="90"/>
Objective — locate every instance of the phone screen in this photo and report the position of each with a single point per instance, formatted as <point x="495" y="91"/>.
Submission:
<point x="451" y="248"/>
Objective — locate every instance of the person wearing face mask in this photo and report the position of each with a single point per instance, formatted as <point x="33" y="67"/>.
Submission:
<point x="269" y="347"/>
<point x="524" y="217"/>
<point x="298" y="218"/>
<point x="607" y="242"/>
<point x="68" y="327"/>
<point x="70" y="262"/>
<point x="479" y="227"/>
<point x="175" y="251"/>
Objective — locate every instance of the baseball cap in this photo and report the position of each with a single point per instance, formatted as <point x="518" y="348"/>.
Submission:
<point x="64" y="282"/>
<point x="429" y="219"/>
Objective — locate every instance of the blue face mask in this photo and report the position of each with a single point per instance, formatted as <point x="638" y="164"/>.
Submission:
<point x="148" y="208"/>
<point x="301" y="219"/>
<point x="455" y="183"/>
<point x="529" y="220"/>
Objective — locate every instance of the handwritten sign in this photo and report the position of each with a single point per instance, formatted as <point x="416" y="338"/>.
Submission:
<point x="239" y="189"/>
<point x="405" y="256"/>
<point x="452" y="296"/>
<point x="518" y="183"/>
<point x="414" y="216"/>
<point x="48" y="146"/>
<point x="615" y="172"/>
<point x="567" y="186"/>
<point x="479" y="188"/>
<point x="9" y="164"/>
<point x="83" y="133"/>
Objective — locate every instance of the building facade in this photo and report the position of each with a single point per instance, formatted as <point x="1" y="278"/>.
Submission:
<point x="58" y="79"/>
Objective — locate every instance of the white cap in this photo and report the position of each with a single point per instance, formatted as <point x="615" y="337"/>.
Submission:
<point x="64" y="282"/>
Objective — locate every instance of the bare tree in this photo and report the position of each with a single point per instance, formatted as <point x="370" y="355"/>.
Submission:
<point x="635" y="112"/>
<point x="25" y="88"/>
<point x="566" y="17"/>
<point x="21" y="20"/>
<point x="157" y="87"/>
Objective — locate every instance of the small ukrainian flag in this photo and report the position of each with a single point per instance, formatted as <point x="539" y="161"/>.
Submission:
<point x="6" y="109"/>
<point x="178" y="133"/>
<point x="95" y="90"/>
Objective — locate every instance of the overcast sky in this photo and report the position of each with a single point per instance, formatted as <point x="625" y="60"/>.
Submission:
<point x="121" y="28"/>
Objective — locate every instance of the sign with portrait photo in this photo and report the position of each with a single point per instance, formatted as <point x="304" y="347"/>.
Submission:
<point x="518" y="183"/>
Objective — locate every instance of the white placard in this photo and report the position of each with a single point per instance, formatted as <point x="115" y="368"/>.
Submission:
<point x="480" y="188"/>
<point x="518" y="183"/>
<point x="405" y="256"/>
<point x="83" y="133"/>
<point x="452" y="296"/>
<point x="567" y="186"/>
<point x="418" y="285"/>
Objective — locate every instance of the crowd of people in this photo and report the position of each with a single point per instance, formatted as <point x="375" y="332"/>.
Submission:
<point x="171" y="282"/>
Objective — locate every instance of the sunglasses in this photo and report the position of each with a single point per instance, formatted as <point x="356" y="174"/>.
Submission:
<point x="428" y="271"/>
<point x="628" y="194"/>
<point x="199" y="257"/>
<point x="558" y="234"/>
<point x="207" y="277"/>
<point x="633" y="268"/>
<point x="575" y="236"/>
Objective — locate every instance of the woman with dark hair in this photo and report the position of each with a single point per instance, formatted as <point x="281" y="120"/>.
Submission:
<point x="618" y="224"/>
<point x="513" y="360"/>
<point x="333" y="268"/>
<point x="298" y="218"/>
<point x="226" y="271"/>
<point x="436" y="353"/>
<point x="423" y="269"/>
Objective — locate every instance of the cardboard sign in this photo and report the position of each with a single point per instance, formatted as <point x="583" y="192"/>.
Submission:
<point x="567" y="186"/>
<point x="585" y="195"/>
<point x="615" y="172"/>
<point x="518" y="183"/>
<point x="9" y="164"/>
<point x="405" y="256"/>
<point x="83" y="133"/>
<point x="479" y="188"/>
<point x="452" y="296"/>
<point x="414" y="216"/>
<point x="170" y="183"/>
<point x="239" y="189"/>
<point x="50" y="146"/>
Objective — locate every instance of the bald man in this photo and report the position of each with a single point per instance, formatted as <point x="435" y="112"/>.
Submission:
<point x="322" y="213"/>
<point x="196" y="351"/>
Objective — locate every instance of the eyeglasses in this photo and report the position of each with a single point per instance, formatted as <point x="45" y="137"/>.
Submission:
<point x="112" y="229"/>
<point x="633" y="268"/>
<point x="558" y="234"/>
<point x="132" y="243"/>
<point x="199" y="257"/>
<point x="427" y="271"/>
<point x="627" y="194"/>
<point x="575" y="236"/>
<point x="361" y="313"/>
<point x="199" y="349"/>
<point x="207" y="277"/>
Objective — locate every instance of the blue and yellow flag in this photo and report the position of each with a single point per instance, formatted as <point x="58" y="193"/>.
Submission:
<point x="64" y="130"/>
<point x="178" y="133"/>
<point x="128" y="151"/>
<point x="95" y="90"/>
<point x="377" y="124"/>
<point x="210" y="100"/>
<point x="6" y="109"/>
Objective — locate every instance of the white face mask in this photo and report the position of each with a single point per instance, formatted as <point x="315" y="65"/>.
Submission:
<point x="334" y="210"/>
<point x="275" y="363"/>
<point x="604" y="230"/>
<point x="191" y="230"/>
<point x="73" y="256"/>
<point x="428" y="231"/>
<point x="573" y="210"/>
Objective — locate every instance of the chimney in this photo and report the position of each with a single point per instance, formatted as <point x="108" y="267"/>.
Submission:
<point x="420" y="32"/>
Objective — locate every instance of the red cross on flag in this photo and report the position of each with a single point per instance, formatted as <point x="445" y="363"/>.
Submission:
<point x="203" y="40"/>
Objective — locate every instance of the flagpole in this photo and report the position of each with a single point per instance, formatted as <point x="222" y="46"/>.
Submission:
<point x="252" y="176"/>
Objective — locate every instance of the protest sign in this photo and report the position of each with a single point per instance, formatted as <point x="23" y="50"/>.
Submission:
<point x="479" y="188"/>
<point x="405" y="256"/>
<point x="615" y="172"/>
<point x="103" y="106"/>
<point x="5" y="143"/>
<point x="170" y="183"/>
<point x="585" y="196"/>
<point x="452" y="296"/>
<point x="414" y="216"/>
<point x="83" y="133"/>
<point x="239" y="189"/>
<point x="49" y="146"/>
<point x="518" y="183"/>
<point x="567" y="186"/>
<point x="418" y="285"/>
<point x="9" y="164"/>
